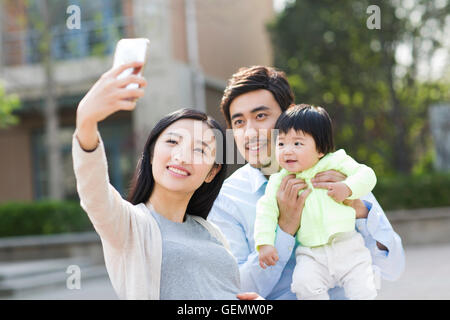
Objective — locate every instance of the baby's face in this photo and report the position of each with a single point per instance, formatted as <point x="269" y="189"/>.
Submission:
<point x="296" y="151"/>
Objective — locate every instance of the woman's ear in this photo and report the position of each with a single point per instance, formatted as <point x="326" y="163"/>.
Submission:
<point x="212" y="173"/>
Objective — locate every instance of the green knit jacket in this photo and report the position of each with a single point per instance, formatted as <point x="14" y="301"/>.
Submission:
<point x="322" y="216"/>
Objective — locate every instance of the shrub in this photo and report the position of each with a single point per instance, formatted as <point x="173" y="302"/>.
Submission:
<point x="415" y="191"/>
<point x="42" y="217"/>
<point x="52" y="217"/>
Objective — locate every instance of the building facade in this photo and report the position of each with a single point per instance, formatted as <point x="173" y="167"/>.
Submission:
<point x="195" y="46"/>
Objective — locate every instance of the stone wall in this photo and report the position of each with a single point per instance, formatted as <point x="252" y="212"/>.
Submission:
<point x="440" y="129"/>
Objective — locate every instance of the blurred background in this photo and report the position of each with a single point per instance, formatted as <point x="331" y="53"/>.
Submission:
<point x="380" y="68"/>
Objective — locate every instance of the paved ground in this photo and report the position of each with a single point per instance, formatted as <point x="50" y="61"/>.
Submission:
<point x="93" y="289"/>
<point x="425" y="277"/>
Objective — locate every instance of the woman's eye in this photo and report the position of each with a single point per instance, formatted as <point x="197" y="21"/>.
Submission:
<point x="238" y="122"/>
<point x="280" y="144"/>
<point x="199" y="150"/>
<point x="171" y="141"/>
<point x="298" y="144"/>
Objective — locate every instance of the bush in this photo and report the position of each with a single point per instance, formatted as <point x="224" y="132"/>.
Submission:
<point x="411" y="192"/>
<point x="43" y="217"/>
<point x="52" y="217"/>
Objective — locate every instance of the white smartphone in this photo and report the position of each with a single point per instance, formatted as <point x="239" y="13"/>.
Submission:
<point x="129" y="50"/>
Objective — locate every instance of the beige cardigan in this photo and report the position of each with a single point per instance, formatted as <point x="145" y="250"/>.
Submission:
<point x="130" y="236"/>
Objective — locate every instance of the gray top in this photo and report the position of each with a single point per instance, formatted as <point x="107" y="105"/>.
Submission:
<point x="195" y="265"/>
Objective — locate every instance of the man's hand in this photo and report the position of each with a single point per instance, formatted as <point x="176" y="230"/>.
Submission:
<point x="323" y="179"/>
<point x="331" y="180"/>
<point x="362" y="213"/>
<point x="268" y="256"/>
<point x="290" y="204"/>
<point x="328" y="176"/>
<point x="359" y="206"/>
<point x="328" y="180"/>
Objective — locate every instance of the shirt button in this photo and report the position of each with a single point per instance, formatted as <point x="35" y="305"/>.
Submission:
<point x="290" y="248"/>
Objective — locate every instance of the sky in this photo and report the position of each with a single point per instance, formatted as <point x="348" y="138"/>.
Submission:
<point x="278" y="5"/>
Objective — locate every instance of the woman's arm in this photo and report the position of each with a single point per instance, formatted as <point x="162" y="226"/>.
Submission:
<point x="105" y="207"/>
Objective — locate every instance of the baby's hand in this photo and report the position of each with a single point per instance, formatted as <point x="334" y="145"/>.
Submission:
<point x="339" y="191"/>
<point x="268" y="256"/>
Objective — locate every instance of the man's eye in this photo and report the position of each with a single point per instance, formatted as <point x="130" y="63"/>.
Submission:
<point x="261" y="115"/>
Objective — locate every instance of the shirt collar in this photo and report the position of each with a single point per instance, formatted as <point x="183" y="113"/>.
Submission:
<point x="256" y="177"/>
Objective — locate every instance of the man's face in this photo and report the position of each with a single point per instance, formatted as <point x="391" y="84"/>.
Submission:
<point x="253" y="116"/>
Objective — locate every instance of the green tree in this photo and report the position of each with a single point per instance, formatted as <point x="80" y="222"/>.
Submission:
<point x="378" y="101"/>
<point x="8" y="103"/>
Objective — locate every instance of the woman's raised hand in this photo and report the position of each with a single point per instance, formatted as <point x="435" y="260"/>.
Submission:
<point x="107" y="96"/>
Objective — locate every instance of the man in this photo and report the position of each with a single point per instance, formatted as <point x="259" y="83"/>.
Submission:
<point x="252" y="102"/>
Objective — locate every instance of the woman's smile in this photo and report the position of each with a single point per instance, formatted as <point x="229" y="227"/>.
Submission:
<point x="178" y="171"/>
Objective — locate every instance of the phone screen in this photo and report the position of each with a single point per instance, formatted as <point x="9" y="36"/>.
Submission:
<point x="129" y="50"/>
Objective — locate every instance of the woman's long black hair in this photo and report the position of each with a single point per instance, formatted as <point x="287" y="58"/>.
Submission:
<point x="203" y="198"/>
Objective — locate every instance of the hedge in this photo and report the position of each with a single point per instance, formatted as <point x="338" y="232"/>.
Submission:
<point x="415" y="191"/>
<point x="51" y="217"/>
<point x="42" y="217"/>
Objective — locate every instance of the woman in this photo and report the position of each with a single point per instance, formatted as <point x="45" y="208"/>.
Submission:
<point x="157" y="245"/>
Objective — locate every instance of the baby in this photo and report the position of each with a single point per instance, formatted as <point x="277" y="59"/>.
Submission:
<point x="330" y="251"/>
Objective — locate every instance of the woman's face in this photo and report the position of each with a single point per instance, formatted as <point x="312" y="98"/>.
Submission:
<point x="183" y="156"/>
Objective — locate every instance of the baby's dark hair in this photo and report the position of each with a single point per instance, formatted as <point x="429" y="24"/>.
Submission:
<point x="310" y="119"/>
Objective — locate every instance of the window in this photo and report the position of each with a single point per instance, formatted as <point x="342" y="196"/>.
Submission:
<point x="102" y="25"/>
<point x="118" y="140"/>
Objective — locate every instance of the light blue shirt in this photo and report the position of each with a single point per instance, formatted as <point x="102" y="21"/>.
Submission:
<point x="234" y="212"/>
